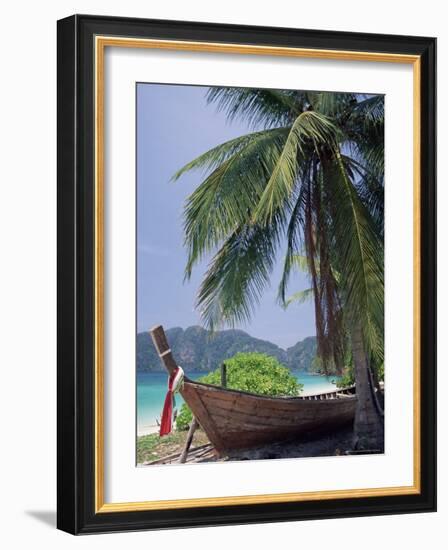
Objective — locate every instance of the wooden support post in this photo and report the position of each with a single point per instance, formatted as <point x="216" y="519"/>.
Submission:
<point x="224" y="375"/>
<point x="193" y="426"/>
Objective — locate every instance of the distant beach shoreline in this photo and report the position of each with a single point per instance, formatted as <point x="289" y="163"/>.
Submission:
<point x="147" y="430"/>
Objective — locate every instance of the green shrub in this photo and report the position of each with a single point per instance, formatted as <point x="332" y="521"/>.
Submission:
<point x="184" y="418"/>
<point x="348" y="379"/>
<point x="252" y="372"/>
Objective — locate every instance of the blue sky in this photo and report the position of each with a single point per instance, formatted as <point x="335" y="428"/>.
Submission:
<point x="174" y="125"/>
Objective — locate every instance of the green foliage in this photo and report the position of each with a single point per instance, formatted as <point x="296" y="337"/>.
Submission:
<point x="360" y="262"/>
<point x="184" y="418"/>
<point x="256" y="373"/>
<point x="216" y="210"/>
<point x="149" y="446"/>
<point x="153" y="447"/>
<point x="347" y="380"/>
<point x="252" y="372"/>
<point x="309" y="130"/>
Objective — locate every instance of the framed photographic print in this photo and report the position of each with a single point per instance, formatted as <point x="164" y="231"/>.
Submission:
<point x="246" y="274"/>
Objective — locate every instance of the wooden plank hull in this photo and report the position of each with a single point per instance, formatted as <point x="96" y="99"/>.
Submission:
<point x="240" y="420"/>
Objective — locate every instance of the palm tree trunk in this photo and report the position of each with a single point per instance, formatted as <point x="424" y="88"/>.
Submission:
<point x="369" y="424"/>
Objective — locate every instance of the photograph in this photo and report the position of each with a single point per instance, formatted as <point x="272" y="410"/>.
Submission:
<point x="259" y="274"/>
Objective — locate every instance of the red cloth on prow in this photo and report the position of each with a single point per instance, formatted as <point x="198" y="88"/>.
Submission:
<point x="166" y="422"/>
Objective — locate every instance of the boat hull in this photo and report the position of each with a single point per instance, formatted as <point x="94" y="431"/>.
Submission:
<point x="235" y="420"/>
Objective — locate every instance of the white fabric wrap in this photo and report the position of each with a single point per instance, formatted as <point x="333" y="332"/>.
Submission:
<point x="178" y="380"/>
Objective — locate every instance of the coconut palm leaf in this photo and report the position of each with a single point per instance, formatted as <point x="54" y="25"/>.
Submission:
<point x="310" y="129"/>
<point x="215" y="157"/>
<point x="332" y="104"/>
<point x="369" y="188"/>
<point x="358" y="254"/>
<point x="238" y="274"/>
<point x="263" y="107"/>
<point x="299" y="297"/>
<point x="365" y="130"/>
<point x="300" y="261"/>
<point x="294" y="243"/>
<point x="229" y="195"/>
<point x="369" y="111"/>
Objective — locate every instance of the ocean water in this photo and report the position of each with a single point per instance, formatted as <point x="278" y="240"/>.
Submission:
<point x="152" y="386"/>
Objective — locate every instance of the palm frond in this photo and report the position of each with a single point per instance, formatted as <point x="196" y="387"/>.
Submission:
<point x="370" y="189"/>
<point x="229" y="195"/>
<point x="369" y="111"/>
<point x="257" y="106"/>
<point x="333" y="104"/>
<point x="237" y="276"/>
<point x="365" y="130"/>
<point x="294" y="241"/>
<point x="309" y="130"/>
<point x="358" y="253"/>
<point x="299" y="297"/>
<point x="300" y="261"/>
<point x="213" y="158"/>
<point x="370" y="154"/>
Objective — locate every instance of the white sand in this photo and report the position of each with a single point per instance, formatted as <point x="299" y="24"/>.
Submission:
<point x="146" y="430"/>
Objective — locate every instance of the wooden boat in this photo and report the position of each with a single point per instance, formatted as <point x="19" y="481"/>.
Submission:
<point x="234" y="419"/>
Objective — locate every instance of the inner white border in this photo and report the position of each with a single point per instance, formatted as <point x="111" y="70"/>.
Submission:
<point x="124" y="482"/>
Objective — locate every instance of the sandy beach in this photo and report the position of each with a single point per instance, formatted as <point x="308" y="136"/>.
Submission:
<point x="147" y="430"/>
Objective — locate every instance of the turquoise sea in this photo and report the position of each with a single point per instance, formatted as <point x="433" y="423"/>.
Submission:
<point x="152" y="386"/>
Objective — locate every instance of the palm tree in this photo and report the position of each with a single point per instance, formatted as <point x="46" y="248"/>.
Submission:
<point x="369" y="378"/>
<point x="309" y="177"/>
